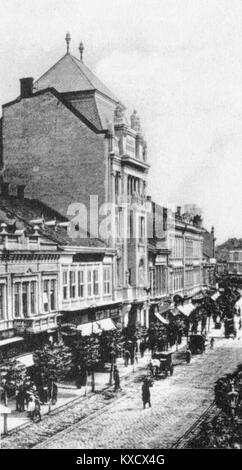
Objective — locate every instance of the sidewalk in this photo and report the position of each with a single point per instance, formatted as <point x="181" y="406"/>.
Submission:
<point x="69" y="392"/>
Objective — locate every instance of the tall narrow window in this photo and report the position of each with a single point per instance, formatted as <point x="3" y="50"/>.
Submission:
<point x="46" y="296"/>
<point x="52" y="294"/>
<point x="65" y="284"/>
<point x="142" y="229"/>
<point x="95" y="282"/>
<point x="80" y="283"/>
<point x="107" y="281"/>
<point x="25" y="298"/>
<point x="89" y="283"/>
<point x="17" y="299"/>
<point x="33" y="297"/>
<point x="2" y="300"/>
<point x="72" y="284"/>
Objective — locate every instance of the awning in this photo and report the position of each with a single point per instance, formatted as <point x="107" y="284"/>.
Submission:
<point x="15" y="339"/>
<point x="215" y="296"/>
<point x="186" y="309"/>
<point x="161" y="318"/>
<point x="96" y="327"/>
<point x="27" y="360"/>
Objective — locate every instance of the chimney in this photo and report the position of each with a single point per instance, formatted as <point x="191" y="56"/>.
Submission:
<point x="26" y="87"/>
<point x="5" y="189"/>
<point x="20" y="191"/>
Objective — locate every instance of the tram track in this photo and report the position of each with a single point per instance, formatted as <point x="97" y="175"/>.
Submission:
<point x="185" y="439"/>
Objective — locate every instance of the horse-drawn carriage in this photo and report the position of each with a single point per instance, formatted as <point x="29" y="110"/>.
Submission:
<point x="161" y="364"/>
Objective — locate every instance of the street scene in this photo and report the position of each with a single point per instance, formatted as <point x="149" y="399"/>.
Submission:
<point x="120" y="315"/>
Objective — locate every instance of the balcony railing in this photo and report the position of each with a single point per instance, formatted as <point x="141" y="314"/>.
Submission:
<point x="134" y="199"/>
<point x="36" y="324"/>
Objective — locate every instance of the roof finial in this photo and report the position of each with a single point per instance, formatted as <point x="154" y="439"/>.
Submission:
<point x="81" y="49"/>
<point x="68" y="40"/>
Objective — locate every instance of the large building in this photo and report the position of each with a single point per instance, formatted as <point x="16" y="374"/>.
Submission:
<point x="68" y="142"/>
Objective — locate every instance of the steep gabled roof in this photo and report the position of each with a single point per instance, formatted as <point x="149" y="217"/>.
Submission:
<point x="70" y="74"/>
<point x="14" y="210"/>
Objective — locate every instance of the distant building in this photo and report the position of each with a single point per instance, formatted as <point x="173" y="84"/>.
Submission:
<point x="209" y="260"/>
<point x="235" y="260"/>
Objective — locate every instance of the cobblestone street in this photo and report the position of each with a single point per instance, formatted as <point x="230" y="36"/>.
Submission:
<point x="176" y="403"/>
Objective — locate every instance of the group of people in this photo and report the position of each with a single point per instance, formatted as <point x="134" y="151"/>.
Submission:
<point x="28" y="397"/>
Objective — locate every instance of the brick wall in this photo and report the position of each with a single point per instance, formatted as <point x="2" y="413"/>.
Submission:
<point x="47" y="148"/>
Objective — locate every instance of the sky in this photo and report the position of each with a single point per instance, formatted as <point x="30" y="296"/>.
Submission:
<point x="177" y="62"/>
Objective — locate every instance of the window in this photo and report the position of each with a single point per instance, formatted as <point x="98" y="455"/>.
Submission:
<point x="65" y="284"/>
<point x="17" y="299"/>
<point x="25" y="298"/>
<point x="131" y="224"/>
<point x="141" y="272"/>
<point x="49" y="295"/>
<point x="107" y="281"/>
<point x="80" y="283"/>
<point x="89" y="283"/>
<point x="2" y="287"/>
<point x="52" y="295"/>
<point x="95" y="282"/>
<point x="72" y="284"/>
<point x="33" y="297"/>
<point x="46" y="296"/>
<point x="142" y="229"/>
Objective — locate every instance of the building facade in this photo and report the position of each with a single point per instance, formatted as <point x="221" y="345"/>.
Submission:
<point x="68" y="141"/>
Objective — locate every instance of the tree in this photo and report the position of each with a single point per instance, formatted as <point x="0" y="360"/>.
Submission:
<point x="51" y="364"/>
<point x="87" y="355"/>
<point x="111" y="344"/>
<point x="13" y="374"/>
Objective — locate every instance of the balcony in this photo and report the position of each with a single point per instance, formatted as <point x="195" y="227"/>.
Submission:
<point x="36" y="324"/>
<point x="135" y="199"/>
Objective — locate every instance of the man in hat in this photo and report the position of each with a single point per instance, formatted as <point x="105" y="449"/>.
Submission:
<point x="146" y="393"/>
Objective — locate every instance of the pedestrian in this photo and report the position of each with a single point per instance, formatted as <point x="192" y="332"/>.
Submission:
<point x="240" y="324"/>
<point x="116" y="379"/>
<point x="136" y="357"/>
<point x="212" y="341"/>
<point x="54" y="393"/>
<point x="188" y="355"/>
<point x="146" y="393"/>
<point x="37" y="413"/>
<point x="31" y="406"/>
<point x="142" y="348"/>
<point x="127" y="357"/>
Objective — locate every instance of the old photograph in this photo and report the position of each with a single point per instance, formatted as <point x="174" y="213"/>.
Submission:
<point x="121" y="226"/>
